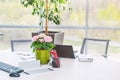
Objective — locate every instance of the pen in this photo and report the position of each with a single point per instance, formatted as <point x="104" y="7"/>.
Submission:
<point x="51" y="69"/>
<point x="27" y="73"/>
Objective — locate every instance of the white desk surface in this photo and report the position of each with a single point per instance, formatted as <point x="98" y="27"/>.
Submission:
<point x="71" y="69"/>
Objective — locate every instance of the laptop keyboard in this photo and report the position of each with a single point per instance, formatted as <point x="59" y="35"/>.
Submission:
<point x="9" y="68"/>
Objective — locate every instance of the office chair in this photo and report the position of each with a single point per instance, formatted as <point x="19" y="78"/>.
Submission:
<point x="20" y="45"/>
<point x="97" y="44"/>
<point x="58" y="39"/>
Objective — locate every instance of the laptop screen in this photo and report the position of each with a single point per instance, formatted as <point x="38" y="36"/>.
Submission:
<point x="65" y="51"/>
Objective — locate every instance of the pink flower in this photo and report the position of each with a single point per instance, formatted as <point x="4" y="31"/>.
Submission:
<point x="42" y="35"/>
<point x="35" y="38"/>
<point x="48" y="39"/>
<point x="41" y="40"/>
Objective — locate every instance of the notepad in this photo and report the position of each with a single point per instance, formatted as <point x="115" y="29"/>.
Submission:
<point x="33" y="67"/>
<point x="84" y="58"/>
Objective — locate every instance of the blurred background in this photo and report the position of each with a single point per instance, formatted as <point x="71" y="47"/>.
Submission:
<point x="88" y="18"/>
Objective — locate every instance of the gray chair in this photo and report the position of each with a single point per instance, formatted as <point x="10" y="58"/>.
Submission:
<point x="20" y="45"/>
<point x="58" y="38"/>
<point x="101" y="42"/>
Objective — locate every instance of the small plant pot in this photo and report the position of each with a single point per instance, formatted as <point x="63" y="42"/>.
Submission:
<point x="43" y="56"/>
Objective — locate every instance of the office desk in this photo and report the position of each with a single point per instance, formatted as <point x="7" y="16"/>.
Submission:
<point x="71" y="69"/>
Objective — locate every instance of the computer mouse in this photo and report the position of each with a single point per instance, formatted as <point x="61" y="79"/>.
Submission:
<point x="13" y="74"/>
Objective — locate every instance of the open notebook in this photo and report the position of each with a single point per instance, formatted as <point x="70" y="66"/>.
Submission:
<point x="65" y="51"/>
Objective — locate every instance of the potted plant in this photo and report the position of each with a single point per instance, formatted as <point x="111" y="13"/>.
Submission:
<point x="47" y="10"/>
<point x="42" y="45"/>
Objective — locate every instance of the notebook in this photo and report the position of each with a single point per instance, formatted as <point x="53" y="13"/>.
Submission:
<point x="33" y="67"/>
<point x="65" y="51"/>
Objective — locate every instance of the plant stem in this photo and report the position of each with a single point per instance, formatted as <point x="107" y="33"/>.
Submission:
<point x="46" y="20"/>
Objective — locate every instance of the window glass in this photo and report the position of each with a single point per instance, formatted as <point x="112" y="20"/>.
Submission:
<point x="77" y="16"/>
<point x="72" y="37"/>
<point x="112" y="35"/>
<point x="104" y="13"/>
<point x="14" y="34"/>
<point x="13" y="13"/>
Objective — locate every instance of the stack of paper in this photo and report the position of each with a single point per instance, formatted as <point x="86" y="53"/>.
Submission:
<point x="85" y="58"/>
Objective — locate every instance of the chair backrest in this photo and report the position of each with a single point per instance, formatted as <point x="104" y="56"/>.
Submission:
<point x="58" y="39"/>
<point x="20" y="45"/>
<point x="96" y="44"/>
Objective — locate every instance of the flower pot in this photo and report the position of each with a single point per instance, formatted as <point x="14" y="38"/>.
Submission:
<point x="43" y="56"/>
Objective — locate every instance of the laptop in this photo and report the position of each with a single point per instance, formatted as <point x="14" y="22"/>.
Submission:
<point x="65" y="51"/>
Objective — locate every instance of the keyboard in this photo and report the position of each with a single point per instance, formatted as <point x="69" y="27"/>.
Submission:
<point x="9" y="68"/>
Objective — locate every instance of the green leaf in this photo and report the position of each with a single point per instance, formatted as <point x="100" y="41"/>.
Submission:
<point x="55" y="9"/>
